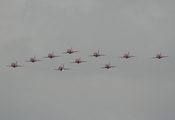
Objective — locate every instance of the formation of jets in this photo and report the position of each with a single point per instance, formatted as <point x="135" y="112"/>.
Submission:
<point x="78" y="60"/>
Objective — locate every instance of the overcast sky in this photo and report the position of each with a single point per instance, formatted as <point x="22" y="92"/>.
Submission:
<point x="139" y="88"/>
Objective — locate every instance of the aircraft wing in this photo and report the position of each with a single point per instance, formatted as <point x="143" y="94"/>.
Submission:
<point x="46" y="57"/>
<point x="164" y="56"/>
<point x="103" y="67"/>
<point x="56" y="56"/>
<point x="55" y="69"/>
<point x="109" y="67"/>
<point x="91" y="55"/>
<point x="102" y="55"/>
<point x="20" y="66"/>
<point x="113" y="66"/>
<point x="64" y="52"/>
<point x="132" y="56"/>
<point x="9" y="66"/>
<point x="38" y="60"/>
<point x="75" y="51"/>
<point x="73" y="62"/>
<point x="83" y="61"/>
<point x="66" y="68"/>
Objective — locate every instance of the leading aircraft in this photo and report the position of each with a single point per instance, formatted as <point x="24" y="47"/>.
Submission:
<point x="78" y="61"/>
<point x="159" y="56"/>
<point x="127" y="55"/>
<point x="33" y="59"/>
<point x="62" y="68"/>
<point x="97" y="54"/>
<point x="107" y="66"/>
<point x="70" y="51"/>
<point x="14" y="65"/>
<point x="51" y="55"/>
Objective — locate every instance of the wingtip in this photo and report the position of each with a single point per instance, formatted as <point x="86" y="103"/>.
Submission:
<point x="84" y="61"/>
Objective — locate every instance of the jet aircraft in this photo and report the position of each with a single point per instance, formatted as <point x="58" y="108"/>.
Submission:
<point x="62" y="68"/>
<point x="127" y="55"/>
<point x="33" y="59"/>
<point x="51" y="55"/>
<point x="14" y="65"/>
<point x="107" y="66"/>
<point x="159" y="56"/>
<point x="70" y="51"/>
<point x="97" y="54"/>
<point x="78" y="61"/>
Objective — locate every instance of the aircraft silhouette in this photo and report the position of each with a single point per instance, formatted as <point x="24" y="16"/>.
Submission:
<point x="62" y="68"/>
<point x="97" y="54"/>
<point x="159" y="56"/>
<point x="51" y="55"/>
<point x="127" y="55"/>
<point x="78" y="61"/>
<point x="33" y="59"/>
<point x="70" y="51"/>
<point x="14" y="65"/>
<point x="107" y="66"/>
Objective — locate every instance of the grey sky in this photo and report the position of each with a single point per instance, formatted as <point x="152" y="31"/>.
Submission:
<point x="139" y="88"/>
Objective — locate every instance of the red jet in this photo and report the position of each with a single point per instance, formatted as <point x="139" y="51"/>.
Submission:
<point x="97" y="54"/>
<point x="107" y="66"/>
<point x="159" y="56"/>
<point x="70" y="51"/>
<point x="33" y="59"/>
<point x="51" y="55"/>
<point x="78" y="61"/>
<point x="127" y="55"/>
<point x="15" y="65"/>
<point x="62" y="68"/>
